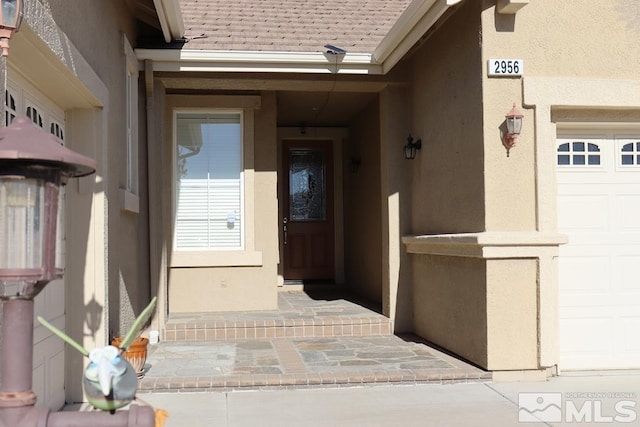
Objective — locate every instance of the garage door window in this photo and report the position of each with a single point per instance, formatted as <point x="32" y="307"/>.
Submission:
<point x="578" y="153"/>
<point x="630" y="154"/>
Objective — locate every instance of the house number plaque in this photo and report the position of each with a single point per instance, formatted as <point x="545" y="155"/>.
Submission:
<point x="505" y="67"/>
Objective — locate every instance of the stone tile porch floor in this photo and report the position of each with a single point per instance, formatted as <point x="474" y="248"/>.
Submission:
<point x="299" y="362"/>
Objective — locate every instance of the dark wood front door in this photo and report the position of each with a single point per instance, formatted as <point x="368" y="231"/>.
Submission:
<point x="307" y="224"/>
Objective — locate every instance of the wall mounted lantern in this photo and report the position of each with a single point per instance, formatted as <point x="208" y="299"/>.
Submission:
<point x="411" y="148"/>
<point x="10" y="20"/>
<point x="513" y="121"/>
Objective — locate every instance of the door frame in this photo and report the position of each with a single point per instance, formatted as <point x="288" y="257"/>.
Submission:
<point x="338" y="137"/>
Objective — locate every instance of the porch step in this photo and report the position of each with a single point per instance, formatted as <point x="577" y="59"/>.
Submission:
<point x="222" y="330"/>
<point x="299" y="315"/>
<point x="301" y="363"/>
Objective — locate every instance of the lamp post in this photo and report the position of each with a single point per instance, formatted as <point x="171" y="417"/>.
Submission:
<point x="33" y="166"/>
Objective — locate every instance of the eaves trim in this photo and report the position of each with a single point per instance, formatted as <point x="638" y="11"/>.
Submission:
<point x="414" y="23"/>
<point x="170" y="18"/>
<point x="258" y="61"/>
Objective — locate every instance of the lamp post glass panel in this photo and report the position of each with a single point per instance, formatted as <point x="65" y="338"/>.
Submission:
<point x="10" y="20"/>
<point x="28" y="212"/>
<point x="11" y="13"/>
<point x="33" y="165"/>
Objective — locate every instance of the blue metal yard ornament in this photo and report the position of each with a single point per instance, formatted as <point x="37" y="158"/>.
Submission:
<point x="110" y="382"/>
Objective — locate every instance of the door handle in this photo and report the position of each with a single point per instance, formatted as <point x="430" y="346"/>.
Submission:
<point x="284" y="229"/>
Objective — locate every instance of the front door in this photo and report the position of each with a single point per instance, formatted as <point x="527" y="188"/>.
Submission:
<point x="307" y="224"/>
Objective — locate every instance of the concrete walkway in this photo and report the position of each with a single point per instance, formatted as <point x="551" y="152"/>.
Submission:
<point x="584" y="399"/>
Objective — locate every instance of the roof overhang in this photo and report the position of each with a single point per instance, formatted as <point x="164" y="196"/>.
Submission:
<point x="170" y="18"/>
<point x="419" y="17"/>
<point x="263" y="61"/>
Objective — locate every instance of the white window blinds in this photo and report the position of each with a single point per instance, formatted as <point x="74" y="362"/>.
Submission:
<point x="209" y="181"/>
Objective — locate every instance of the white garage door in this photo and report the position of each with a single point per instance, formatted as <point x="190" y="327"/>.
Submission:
<point x="48" y="352"/>
<point x="599" y="269"/>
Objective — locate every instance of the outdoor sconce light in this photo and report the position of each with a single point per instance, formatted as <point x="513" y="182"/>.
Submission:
<point x="33" y="166"/>
<point x="10" y="20"/>
<point x="411" y="148"/>
<point x="514" y="126"/>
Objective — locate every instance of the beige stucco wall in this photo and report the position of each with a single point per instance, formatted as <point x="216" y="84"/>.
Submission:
<point x="450" y="304"/>
<point x="479" y="304"/>
<point x="568" y="47"/>
<point x="571" y="75"/>
<point x="396" y="185"/>
<point x="362" y="207"/>
<point x="447" y="115"/>
<point x="512" y="323"/>
<point x="220" y="287"/>
<point x="449" y="293"/>
<point x="127" y="240"/>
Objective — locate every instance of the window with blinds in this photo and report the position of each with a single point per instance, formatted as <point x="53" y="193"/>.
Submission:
<point x="209" y="181"/>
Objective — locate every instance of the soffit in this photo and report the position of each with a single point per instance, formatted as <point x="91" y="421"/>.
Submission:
<point x="145" y="11"/>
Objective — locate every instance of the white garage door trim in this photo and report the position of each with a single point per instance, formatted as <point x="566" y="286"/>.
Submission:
<point x="49" y="351"/>
<point x="599" y="209"/>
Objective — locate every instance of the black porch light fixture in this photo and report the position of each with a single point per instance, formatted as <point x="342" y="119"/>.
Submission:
<point x="411" y="148"/>
<point x="10" y="20"/>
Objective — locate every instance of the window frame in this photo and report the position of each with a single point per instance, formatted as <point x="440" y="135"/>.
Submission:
<point x="621" y="140"/>
<point x="245" y="255"/>
<point x="240" y="113"/>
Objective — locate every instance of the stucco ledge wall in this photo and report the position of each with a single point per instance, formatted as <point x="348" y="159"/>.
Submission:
<point x="476" y="294"/>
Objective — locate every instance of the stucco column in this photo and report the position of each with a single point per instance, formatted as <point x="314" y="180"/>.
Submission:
<point x="396" y="208"/>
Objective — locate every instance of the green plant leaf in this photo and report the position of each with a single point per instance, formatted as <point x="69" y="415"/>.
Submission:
<point x="138" y="324"/>
<point x="64" y="336"/>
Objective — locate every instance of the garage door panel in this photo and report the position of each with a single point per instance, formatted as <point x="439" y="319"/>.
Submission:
<point x="582" y="274"/>
<point x="39" y="382"/>
<point x="626" y="273"/>
<point x="55" y="298"/>
<point x="55" y="388"/>
<point x="629" y="212"/>
<point x="573" y="331"/>
<point x="599" y="210"/>
<point x="631" y="338"/>
<point x="582" y="212"/>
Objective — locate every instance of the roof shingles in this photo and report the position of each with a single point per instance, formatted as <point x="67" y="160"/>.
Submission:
<point x="288" y="25"/>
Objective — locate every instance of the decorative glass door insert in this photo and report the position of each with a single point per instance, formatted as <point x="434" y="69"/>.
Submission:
<point x="307" y="185"/>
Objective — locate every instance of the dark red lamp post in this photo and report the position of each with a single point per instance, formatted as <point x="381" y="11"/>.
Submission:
<point x="33" y="166"/>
